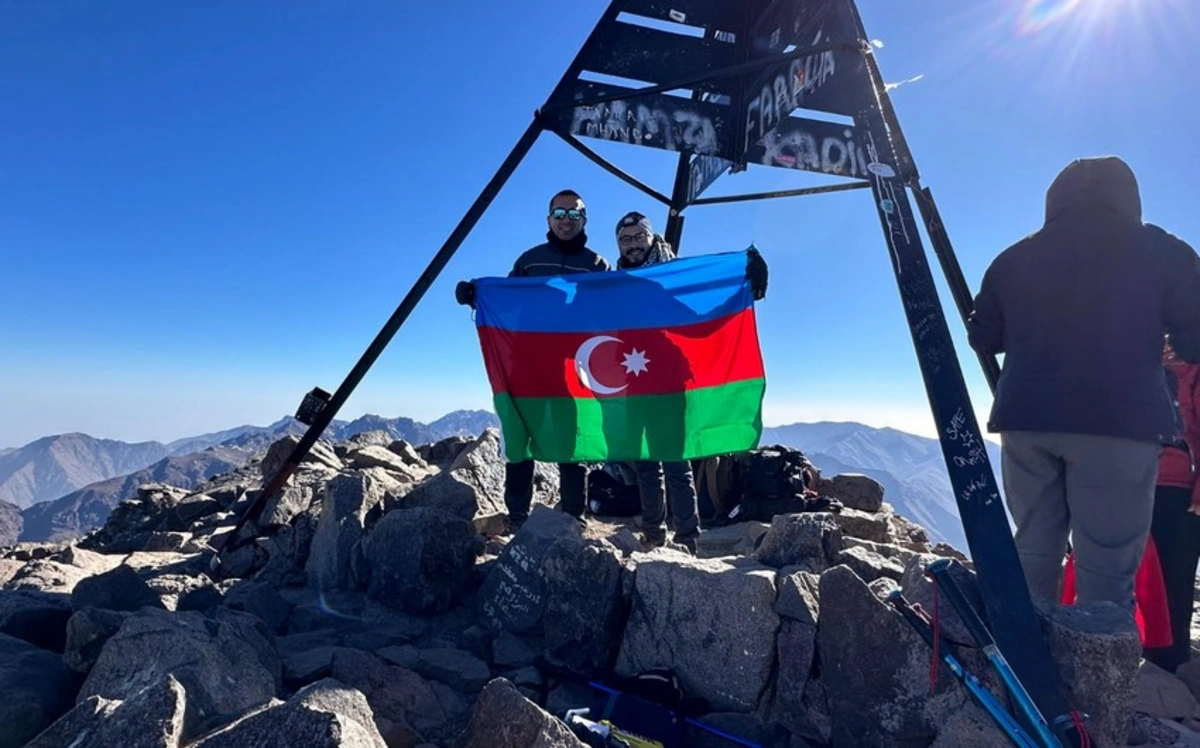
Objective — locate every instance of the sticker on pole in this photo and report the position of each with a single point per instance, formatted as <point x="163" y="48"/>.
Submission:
<point x="677" y="16"/>
<point x="881" y="170"/>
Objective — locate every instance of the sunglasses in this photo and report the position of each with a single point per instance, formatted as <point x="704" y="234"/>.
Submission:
<point x="560" y="213"/>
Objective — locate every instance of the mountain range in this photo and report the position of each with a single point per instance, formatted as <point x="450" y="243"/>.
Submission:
<point x="59" y="487"/>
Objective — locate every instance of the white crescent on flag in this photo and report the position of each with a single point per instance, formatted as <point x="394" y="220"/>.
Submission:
<point x="583" y="365"/>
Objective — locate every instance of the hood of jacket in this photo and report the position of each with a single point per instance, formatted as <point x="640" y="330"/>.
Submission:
<point x="1104" y="182"/>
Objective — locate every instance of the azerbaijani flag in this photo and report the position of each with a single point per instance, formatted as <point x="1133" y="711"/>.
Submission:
<point x="659" y="363"/>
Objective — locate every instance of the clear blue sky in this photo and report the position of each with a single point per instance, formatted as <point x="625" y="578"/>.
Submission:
<point x="207" y="208"/>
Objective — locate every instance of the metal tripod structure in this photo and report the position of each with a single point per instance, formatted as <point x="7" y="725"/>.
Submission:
<point x="754" y="65"/>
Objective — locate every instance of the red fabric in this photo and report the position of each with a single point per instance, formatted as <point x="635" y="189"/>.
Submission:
<point x="669" y="360"/>
<point x="1150" y="597"/>
<point x="1175" y="466"/>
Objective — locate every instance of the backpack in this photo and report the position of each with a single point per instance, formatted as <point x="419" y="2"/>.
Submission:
<point x="757" y="485"/>
<point x="613" y="492"/>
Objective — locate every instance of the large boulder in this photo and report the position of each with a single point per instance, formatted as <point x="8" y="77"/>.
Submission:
<point x="796" y="646"/>
<point x="226" y="662"/>
<point x="319" y="454"/>
<point x="503" y="718"/>
<point x="875" y="669"/>
<point x="119" y="589"/>
<point x="326" y="714"/>
<point x="855" y="490"/>
<point x="811" y="540"/>
<point x="151" y="718"/>
<point x="420" y="560"/>
<point x="585" y="605"/>
<point x="472" y="486"/>
<point x="37" y="689"/>
<point x="348" y="499"/>
<point x="87" y="633"/>
<point x="37" y="617"/>
<point x="712" y="623"/>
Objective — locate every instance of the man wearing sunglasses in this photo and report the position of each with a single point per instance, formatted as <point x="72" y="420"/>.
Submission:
<point x="564" y="252"/>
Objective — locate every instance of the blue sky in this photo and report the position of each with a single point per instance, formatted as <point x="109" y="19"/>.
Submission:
<point x="208" y="208"/>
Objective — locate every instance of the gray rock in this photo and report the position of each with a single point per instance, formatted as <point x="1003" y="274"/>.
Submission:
<point x="713" y="624"/>
<point x="1097" y="649"/>
<point x="970" y="728"/>
<point x="185" y="591"/>
<point x="444" y="452"/>
<point x="585" y="608"/>
<point x="326" y="714"/>
<point x="304" y="666"/>
<point x="856" y="524"/>
<point x="799" y="596"/>
<point x="738" y="539"/>
<point x="460" y="670"/>
<point x="76" y="726"/>
<point x="406" y="655"/>
<point x="408" y="453"/>
<point x="404" y="703"/>
<point x="86" y="634"/>
<point x="795" y="539"/>
<point x="513" y="595"/>
<point x="511" y="651"/>
<point x="503" y="718"/>
<point x="1189" y="673"/>
<point x="160" y="542"/>
<point x="118" y="589"/>
<point x="37" y="617"/>
<point x="908" y="534"/>
<point x="293" y="501"/>
<point x="261" y="600"/>
<point x="870" y="565"/>
<point x="420" y="560"/>
<point x="217" y="661"/>
<point x="919" y="590"/>
<point x="183" y="515"/>
<point x="382" y="457"/>
<point x="796" y="647"/>
<point x="876" y="671"/>
<point x="8" y="569"/>
<point x="472" y="486"/>
<point x="882" y="588"/>
<point x="746" y="726"/>
<point x="37" y="688"/>
<point x="47" y="576"/>
<point x="887" y="550"/>
<point x="348" y="498"/>
<point x="277" y="454"/>
<point x="854" y="490"/>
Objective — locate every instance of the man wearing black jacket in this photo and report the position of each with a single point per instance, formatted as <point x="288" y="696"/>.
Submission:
<point x="564" y="252"/>
<point x="1079" y="310"/>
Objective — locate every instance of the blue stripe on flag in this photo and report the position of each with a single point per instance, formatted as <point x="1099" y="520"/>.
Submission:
<point x="680" y="292"/>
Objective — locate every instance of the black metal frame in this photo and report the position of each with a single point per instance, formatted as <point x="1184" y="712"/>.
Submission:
<point x="1011" y="613"/>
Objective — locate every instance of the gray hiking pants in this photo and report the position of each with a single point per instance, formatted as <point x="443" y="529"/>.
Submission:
<point x="680" y="489"/>
<point x="1097" y="489"/>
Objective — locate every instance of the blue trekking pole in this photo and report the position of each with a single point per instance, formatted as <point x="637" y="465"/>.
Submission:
<point x="983" y="697"/>
<point x="939" y="571"/>
<point x="612" y="692"/>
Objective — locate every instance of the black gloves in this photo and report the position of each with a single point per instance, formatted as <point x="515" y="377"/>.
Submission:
<point x="756" y="273"/>
<point x="464" y="293"/>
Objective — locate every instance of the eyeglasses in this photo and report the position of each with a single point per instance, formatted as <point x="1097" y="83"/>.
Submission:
<point x="574" y="214"/>
<point x="639" y="237"/>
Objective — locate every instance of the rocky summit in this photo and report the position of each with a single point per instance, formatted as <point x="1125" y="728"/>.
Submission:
<point x="382" y="603"/>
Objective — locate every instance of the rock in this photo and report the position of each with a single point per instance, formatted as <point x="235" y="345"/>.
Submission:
<point x="738" y="539"/>
<point x="119" y="589"/>
<point x="261" y="600"/>
<point x="796" y="648"/>
<point x="584" y="604"/>
<point x="1097" y="649"/>
<point x="799" y="595"/>
<point x="183" y="515"/>
<point x="8" y="569"/>
<point x="348" y="498"/>
<point x="408" y="453"/>
<point x="47" y="576"/>
<point x="37" y="689"/>
<point x="1161" y="694"/>
<point x="887" y="550"/>
<point x="37" y="617"/>
<point x="405" y="655"/>
<point x="625" y="541"/>
<point x="420" y="560"/>
<point x="513" y="595"/>
<point x="856" y="524"/>
<point x="811" y="539"/>
<point x="151" y="718"/>
<point x="870" y="565"/>
<point x="919" y="590"/>
<point x="747" y="727"/>
<point x="323" y="715"/>
<point x="876" y="671"/>
<point x="907" y="534"/>
<point x="472" y="487"/>
<point x="76" y="726"/>
<point x="403" y="702"/>
<point x="510" y="651"/>
<point x="295" y="499"/>
<point x="970" y="728"/>
<point x="476" y="640"/>
<point x="855" y="490"/>
<point x="216" y="659"/>
<point x="185" y="592"/>
<point x="713" y="624"/>
<point x="382" y="457"/>
<point x="320" y="454"/>
<point x="1189" y="673"/>
<point x="454" y="667"/>
<point x="503" y="718"/>
<point x="444" y="452"/>
<point x="86" y="634"/>
<point x="304" y="666"/>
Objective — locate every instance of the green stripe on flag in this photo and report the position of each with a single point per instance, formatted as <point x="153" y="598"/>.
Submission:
<point x="678" y="426"/>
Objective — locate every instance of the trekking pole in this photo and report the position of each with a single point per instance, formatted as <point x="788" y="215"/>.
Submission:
<point x="689" y="720"/>
<point x="939" y="571"/>
<point x="983" y="697"/>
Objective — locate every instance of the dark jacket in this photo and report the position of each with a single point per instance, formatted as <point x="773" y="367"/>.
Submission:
<point x="1080" y="308"/>
<point x="556" y="257"/>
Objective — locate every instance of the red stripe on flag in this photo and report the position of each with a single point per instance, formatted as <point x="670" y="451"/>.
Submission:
<point x="623" y="362"/>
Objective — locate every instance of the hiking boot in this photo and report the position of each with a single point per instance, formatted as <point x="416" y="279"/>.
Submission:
<point x="688" y="544"/>
<point x="514" y="524"/>
<point x="652" y="540"/>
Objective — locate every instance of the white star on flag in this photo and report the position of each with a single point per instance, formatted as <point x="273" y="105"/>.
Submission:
<point x="635" y="362"/>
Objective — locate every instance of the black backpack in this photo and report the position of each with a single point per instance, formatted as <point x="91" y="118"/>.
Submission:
<point x="610" y="496"/>
<point x="759" y="484"/>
